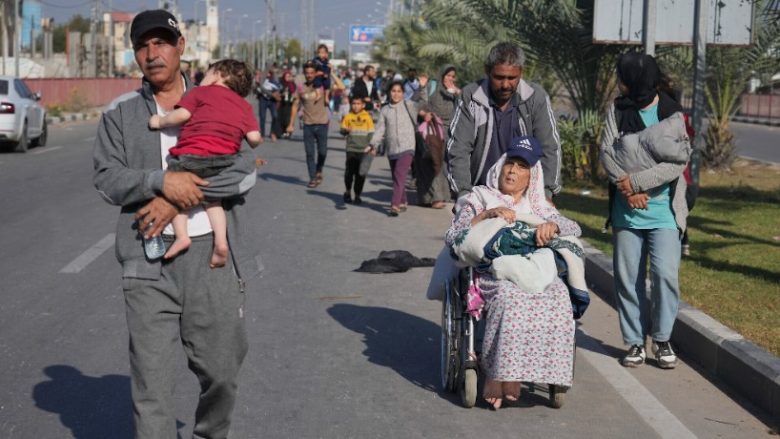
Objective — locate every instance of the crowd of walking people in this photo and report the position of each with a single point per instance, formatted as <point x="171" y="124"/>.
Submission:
<point x="451" y="143"/>
<point x="491" y="144"/>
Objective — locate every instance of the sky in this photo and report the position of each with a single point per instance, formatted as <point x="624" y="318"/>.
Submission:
<point x="332" y="17"/>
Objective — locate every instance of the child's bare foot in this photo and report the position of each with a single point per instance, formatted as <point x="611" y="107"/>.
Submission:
<point x="218" y="256"/>
<point x="178" y="246"/>
<point x="493" y="393"/>
<point x="511" y="390"/>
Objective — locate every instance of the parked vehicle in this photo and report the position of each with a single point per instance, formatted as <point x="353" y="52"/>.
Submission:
<point x="22" y="118"/>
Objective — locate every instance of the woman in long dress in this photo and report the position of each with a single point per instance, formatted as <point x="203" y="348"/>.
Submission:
<point x="529" y="336"/>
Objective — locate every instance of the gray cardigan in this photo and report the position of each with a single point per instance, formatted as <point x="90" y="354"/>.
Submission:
<point x="128" y="173"/>
<point x="395" y="128"/>
<point x="637" y="155"/>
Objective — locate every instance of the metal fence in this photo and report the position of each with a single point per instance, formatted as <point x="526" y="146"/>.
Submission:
<point x="81" y="92"/>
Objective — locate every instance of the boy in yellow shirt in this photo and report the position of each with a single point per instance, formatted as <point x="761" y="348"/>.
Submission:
<point x="358" y="126"/>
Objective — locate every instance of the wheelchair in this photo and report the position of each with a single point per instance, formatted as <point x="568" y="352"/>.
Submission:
<point x="460" y="336"/>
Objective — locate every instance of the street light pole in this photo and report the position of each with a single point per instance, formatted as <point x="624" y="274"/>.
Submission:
<point x="238" y="27"/>
<point x="254" y="42"/>
<point x="223" y="32"/>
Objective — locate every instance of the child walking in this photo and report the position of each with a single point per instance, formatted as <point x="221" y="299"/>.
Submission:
<point x="215" y="118"/>
<point x="358" y="126"/>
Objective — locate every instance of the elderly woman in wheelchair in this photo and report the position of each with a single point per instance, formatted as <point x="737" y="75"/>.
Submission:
<point x="516" y="243"/>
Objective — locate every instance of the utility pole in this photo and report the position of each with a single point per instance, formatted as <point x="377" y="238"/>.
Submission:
<point x="4" y="30"/>
<point x="700" y="69"/>
<point x="93" y="39"/>
<point x="111" y="39"/>
<point x="17" y="36"/>
<point x="272" y="18"/>
<point x="648" y="27"/>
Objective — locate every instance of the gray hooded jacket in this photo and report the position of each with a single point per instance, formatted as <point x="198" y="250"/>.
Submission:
<point x="471" y="130"/>
<point x="128" y="173"/>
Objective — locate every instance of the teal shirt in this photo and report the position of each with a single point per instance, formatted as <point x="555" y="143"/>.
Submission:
<point x="658" y="214"/>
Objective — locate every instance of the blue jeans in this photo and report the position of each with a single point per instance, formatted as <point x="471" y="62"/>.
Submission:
<point x="263" y="106"/>
<point x="639" y="314"/>
<point x="315" y="137"/>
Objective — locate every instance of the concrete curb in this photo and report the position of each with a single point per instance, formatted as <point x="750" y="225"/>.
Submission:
<point x="71" y="117"/>
<point x="750" y="370"/>
<point x="756" y="120"/>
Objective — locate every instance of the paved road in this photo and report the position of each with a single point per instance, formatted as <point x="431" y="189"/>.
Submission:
<point x="333" y="353"/>
<point x="759" y="142"/>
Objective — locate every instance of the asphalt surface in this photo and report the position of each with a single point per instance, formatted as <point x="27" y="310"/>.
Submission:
<point x="757" y="142"/>
<point x="333" y="353"/>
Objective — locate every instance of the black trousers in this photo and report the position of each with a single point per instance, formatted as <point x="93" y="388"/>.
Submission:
<point x="352" y="172"/>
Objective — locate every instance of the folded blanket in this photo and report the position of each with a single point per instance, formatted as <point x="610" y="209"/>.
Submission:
<point x="509" y="252"/>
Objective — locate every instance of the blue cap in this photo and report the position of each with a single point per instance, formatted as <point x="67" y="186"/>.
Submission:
<point x="525" y="147"/>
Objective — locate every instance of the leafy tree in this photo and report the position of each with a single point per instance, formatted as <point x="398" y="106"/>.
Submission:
<point x="293" y="49"/>
<point x="728" y="73"/>
<point x="77" y="23"/>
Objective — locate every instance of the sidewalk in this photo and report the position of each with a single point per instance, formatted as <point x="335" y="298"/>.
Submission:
<point x="757" y="120"/>
<point x="751" y="371"/>
<point x="72" y="117"/>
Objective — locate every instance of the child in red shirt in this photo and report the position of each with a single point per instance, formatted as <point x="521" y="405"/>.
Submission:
<point x="215" y="118"/>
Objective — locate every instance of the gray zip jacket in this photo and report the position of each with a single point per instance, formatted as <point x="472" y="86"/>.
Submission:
<point x="652" y="157"/>
<point x="471" y="130"/>
<point x="128" y="173"/>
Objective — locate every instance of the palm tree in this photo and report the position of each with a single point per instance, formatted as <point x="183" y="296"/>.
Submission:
<point x="729" y="70"/>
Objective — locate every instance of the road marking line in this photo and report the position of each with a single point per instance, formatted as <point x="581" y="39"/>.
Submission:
<point x="44" y="151"/>
<point x="649" y="408"/>
<point x="90" y="255"/>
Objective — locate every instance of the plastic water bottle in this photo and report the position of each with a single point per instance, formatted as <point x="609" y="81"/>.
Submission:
<point x="154" y="247"/>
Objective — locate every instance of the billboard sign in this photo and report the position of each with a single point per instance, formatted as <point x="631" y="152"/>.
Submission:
<point x="330" y="44"/>
<point x="365" y="34"/>
<point x="729" y="22"/>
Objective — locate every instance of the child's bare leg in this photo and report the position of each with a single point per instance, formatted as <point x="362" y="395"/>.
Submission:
<point x="183" y="240"/>
<point x="218" y="221"/>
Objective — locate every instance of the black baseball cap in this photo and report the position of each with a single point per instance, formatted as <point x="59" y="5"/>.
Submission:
<point x="151" y="20"/>
<point x="525" y="147"/>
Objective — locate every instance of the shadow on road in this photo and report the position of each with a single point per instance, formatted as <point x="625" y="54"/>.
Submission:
<point x="91" y="407"/>
<point x="405" y="343"/>
<point x="289" y="179"/>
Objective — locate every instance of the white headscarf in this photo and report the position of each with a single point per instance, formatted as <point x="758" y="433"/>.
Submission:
<point x="533" y="201"/>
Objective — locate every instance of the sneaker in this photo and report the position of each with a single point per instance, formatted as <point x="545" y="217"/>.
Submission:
<point x="686" y="250"/>
<point x="347" y="197"/>
<point x="634" y="357"/>
<point x="358" y="200"/>
<point x="664" y="355"/>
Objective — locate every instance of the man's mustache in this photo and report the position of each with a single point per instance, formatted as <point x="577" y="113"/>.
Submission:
<point x="155" y="64"/>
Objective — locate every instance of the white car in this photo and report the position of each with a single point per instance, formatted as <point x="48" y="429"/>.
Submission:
<point x="22" y="118"/>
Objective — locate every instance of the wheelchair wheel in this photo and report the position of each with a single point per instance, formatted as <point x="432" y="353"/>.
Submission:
<point x="450" y="339"/>
<point x="468" y="391"/>
<point x="557" y="396"/>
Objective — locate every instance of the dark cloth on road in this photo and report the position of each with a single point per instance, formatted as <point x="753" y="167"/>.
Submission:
<point x="394" y="261"/>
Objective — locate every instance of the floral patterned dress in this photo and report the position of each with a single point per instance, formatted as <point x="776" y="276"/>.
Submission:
<point x="528" y="336"/>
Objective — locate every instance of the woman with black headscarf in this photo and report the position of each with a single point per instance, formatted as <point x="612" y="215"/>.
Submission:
<point x="644" y="150"/>
<point x="432" y="187"/>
